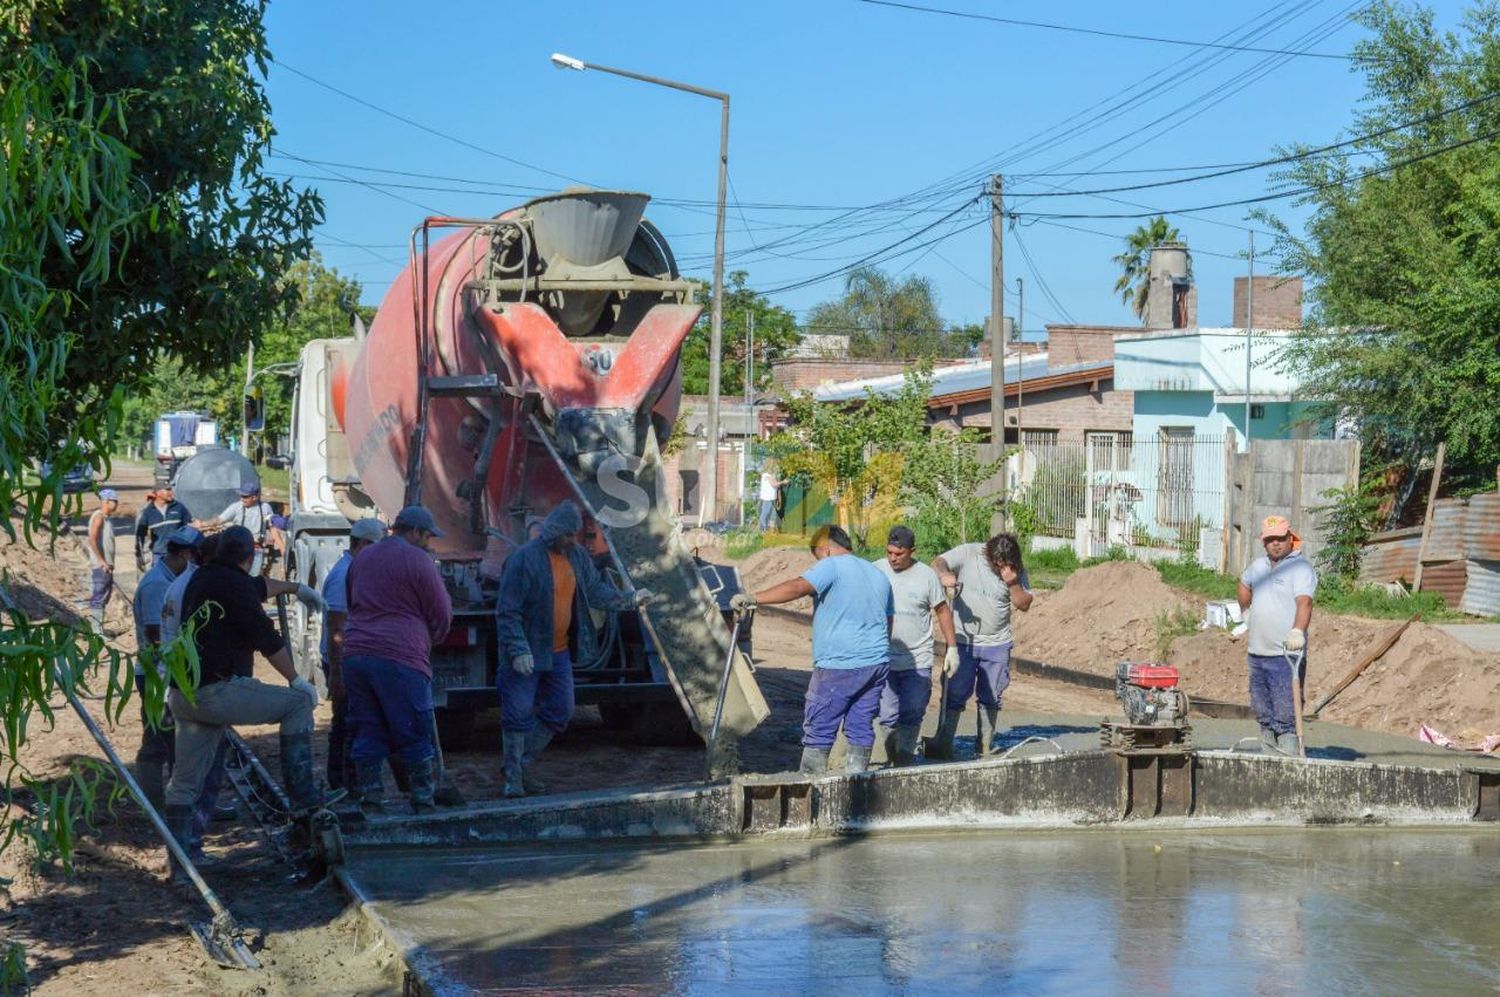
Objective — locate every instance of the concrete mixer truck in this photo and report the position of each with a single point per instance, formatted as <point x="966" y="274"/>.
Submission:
<point x="516" y="362"/>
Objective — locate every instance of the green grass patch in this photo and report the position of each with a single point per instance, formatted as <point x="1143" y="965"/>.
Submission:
<point x="1192" y="577"/>
<point x="740" y="544"/>
<point x="1336" y="596"/>
<point x="1170" y="626"/>
<point x="276" y="483"/>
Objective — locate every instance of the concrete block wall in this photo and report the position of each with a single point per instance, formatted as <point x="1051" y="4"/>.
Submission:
<point x="1278" y="303"/>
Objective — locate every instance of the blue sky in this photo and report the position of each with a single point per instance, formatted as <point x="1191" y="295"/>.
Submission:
<point x="836" y="104"/>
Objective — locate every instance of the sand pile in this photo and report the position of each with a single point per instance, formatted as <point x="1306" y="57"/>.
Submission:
<point x="1427" y="677"/>
<point x="766" y="567"/>
<point x="1102" y="615"/>
<point x="45" y="583"/>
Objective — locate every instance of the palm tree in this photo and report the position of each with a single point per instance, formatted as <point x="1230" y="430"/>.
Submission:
<point x="1133" y="284"/>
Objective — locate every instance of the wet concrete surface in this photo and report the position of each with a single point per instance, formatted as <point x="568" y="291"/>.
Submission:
<point x="1102" y="911"/>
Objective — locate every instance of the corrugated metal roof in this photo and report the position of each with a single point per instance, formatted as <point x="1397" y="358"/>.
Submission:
<point x="1447" y="579"/>
<point x="1482" y="527"/>
<point x="969" y="376"/>
<point x="1482" y="590"/>
<point x="1447" y="543"/>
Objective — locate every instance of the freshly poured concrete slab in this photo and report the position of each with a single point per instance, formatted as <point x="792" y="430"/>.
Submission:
<point x="1104" y="911"/>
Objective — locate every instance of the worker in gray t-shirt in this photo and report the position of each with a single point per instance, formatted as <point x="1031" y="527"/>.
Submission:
<point x="988" y="582"/>
<point x="918" y="598"/>
<point x="1277" y="592"/>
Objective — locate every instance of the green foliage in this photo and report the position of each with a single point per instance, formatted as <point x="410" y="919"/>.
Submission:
<point x="942" y="483"/>
<point x="1054" y="493"/>
<point x="857" y="453"/>
<point x="1170" y="626"/>
<point x="1134" y="263"/>
<point x="1050" y="567"/>
<point x="13" y="976"/>
<point x="776" y="335"/>
<point x="887" y="318"/>
<point x="742" y="543"/>
<point x="1188" y="575"/>
<point x="1348" y="521"/>
<point x="1405" y="265"/>
<point x="1338" y="596"/>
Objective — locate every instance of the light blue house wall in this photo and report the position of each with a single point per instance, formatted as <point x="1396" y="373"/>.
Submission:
<point x="1198" y="380"/>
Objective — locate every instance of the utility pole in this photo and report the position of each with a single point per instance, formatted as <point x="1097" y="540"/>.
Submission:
<point x="244" y="428"/>
<point x="1249" y="326"/>
<point x="997" y="318"/>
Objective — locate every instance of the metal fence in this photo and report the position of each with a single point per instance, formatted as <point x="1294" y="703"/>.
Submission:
<point x="1117" y="490"/>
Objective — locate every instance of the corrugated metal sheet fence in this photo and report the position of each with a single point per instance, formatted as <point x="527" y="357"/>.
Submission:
<point x="1461" y="560"/>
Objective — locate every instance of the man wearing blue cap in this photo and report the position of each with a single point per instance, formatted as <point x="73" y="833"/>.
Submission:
<point x="546" y="590"/>
<point x="155" y="754"/>
<point x="398" y="608"/>
<point x="255" y="515"/>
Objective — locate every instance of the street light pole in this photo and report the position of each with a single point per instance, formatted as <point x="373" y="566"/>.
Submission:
<point x="716" y="315"/>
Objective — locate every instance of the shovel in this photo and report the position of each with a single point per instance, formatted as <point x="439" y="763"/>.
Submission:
<point x="1295" y="662"/>
<point x="222" y="938"/>
<point x="713" y="734"/>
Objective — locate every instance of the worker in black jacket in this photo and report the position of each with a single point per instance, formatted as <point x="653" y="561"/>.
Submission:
<point x="233" y="628"/>
<point x="161" y="517"/>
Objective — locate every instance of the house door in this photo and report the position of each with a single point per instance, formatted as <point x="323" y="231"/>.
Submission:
<point x="1174" y="476"/>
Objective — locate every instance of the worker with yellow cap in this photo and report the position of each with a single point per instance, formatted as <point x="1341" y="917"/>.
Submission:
<point x="1276" y="593"/>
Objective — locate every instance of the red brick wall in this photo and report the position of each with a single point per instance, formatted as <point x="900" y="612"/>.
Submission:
<point x="1070" y="410"/>
<point x="1278" y="302"/>
<point x="806" y="374"/>
<point x="1075" y="344"/>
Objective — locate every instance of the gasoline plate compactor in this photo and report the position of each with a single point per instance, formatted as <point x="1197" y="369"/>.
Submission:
<point x="1155" y="709"/>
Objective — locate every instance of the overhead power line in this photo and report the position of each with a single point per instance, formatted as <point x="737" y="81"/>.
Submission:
<point x="1103" y="33"/>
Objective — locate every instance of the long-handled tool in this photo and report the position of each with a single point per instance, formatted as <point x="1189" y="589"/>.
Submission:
<point x="740" y="616"/>
<point x="222" y="938"/>
<point x="1295" y="662"/>
<point x="446" y="794"/>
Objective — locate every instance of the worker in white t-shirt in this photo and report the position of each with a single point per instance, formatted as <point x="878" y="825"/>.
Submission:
<point x="769" y="486"/>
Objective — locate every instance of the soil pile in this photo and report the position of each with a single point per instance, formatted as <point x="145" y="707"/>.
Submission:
<point x="766" y="567"/>
<point x="1427" y="677"/>
<point x="1102" y="615"/>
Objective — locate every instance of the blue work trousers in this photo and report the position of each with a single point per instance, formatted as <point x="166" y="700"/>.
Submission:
<point x="1271" y="691"/>
<point x="767" y="514"/>
<point x="904" y="700"/>
<point x="545" y="696"/>
<point x="983" y="672"/>
<point x="390" y="710"/>
<point x="847" y="696"/>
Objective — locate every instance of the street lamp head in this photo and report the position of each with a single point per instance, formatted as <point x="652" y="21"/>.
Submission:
<point x="567" y="62"/>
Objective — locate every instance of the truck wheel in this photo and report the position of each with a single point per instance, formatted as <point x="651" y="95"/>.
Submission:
<point x="662" y="725"/>
<point x="456" y="728"/>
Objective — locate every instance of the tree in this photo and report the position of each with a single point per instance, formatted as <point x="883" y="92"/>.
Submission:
<point x="887" y="318"/>
<point x="1133" y="284"/>
<point x="857" y="452"/>
<point x="133" y="217"/>
<point x="944" y="482"/>
<point x="776" y="335"/>
<point x="1403" y="249"/>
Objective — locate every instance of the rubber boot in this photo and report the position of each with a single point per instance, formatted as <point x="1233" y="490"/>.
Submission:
<point x="513" y="763"/>
<point x="297" y="772"/>
<point x="1268" y="741"/>
<point x="179" y="821"/>
<point x="989" y="725"/>
<point x="423" y="785"/>
<point x="369" y="781"/>
<point x="1288" y="745"/>
<point x="536" y="741"/>
<point x="940" y="748"/>
<point x="815" y="761"/>
<point x="887" y="737"/>
<point x="398" y="772"/>
<point x="906" y="739"/>
<point x="149" y="776"/>
<point x="857" y="758"/>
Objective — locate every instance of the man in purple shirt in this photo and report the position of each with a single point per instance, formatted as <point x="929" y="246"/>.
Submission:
<point x="398" y="608"/>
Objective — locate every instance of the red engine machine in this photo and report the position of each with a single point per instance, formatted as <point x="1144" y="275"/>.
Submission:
<point x="1155" y="709"/>
<point x="526" y="359"/>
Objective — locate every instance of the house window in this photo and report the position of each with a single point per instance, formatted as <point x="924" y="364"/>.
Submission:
<point x="1109" y="450"/>
<point x="1033" y="438"/>
<point x="1174" y="476"/>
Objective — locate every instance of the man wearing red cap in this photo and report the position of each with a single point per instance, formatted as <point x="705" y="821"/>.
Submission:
<point x="1276" y="592"/>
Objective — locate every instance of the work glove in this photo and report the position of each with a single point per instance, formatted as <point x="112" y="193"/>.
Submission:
<point x="522" y="664"/>
<point x="310" y="598"/>
<point x="643" y="597"/>
<point x="950" y="662"/>
<point x="1296" y="640"/>
<point x="742" y="602"/>
<point x="307" y="689"/>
